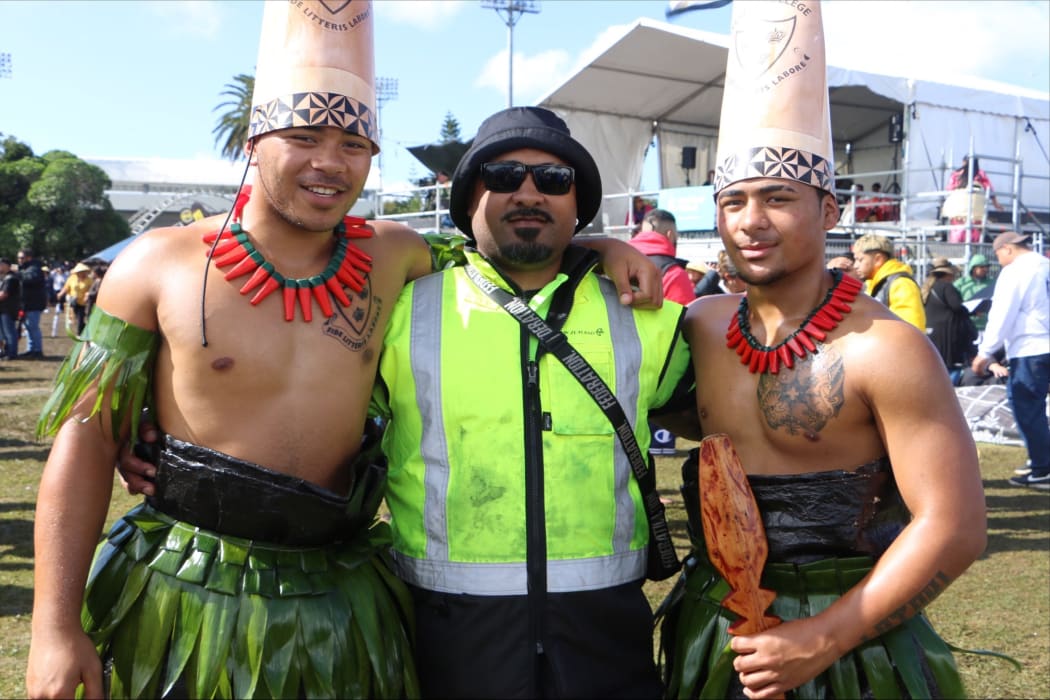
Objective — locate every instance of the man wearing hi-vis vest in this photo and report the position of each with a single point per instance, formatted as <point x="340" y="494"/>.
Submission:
<point x="517" y="522"/>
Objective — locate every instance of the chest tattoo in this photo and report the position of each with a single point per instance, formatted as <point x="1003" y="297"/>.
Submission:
<point x="355" y="325"/>
<point x="802" y="400"/>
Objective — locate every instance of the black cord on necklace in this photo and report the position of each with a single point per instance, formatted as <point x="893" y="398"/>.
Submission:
<point x="745" y="322"/>
<point x="211" y="251"/>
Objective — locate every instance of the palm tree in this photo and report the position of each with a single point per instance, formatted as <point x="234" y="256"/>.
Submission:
<point x="231" y="132"/>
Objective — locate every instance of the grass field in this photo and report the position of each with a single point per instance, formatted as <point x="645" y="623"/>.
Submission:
<point x="1001" y="603"/>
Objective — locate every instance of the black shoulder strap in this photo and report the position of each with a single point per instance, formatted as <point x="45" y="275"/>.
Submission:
<point x="558" y="345"/>
<point x="881" y="291"/>
<point x="665" y="262"/>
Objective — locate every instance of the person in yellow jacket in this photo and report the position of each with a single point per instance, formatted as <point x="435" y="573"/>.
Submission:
<point x="75" y="290"/>
<point x="518" y="525"/>
<point x="889" y="279"/>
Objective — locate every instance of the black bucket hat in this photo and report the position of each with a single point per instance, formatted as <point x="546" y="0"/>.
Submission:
<point x="525" y="127"/>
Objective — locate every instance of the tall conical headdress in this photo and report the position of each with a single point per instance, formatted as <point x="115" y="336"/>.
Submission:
<point x="316" y="67"/>
<point x="776" y="121"/>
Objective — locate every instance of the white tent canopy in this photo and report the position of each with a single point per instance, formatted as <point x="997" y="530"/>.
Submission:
<point x="666" y="80"/>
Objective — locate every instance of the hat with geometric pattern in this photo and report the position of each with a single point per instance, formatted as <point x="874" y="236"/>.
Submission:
<point x="316" y="67"/>
<point x="776" y="120"/>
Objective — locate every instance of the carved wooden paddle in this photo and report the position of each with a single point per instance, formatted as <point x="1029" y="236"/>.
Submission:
<point x="736" y="539"/>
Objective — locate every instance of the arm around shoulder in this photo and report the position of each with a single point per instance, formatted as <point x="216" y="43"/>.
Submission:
<point x="404" y="248"/>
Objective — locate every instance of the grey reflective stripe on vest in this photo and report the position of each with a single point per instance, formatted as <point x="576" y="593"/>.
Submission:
<point x="628" y="353"/>
<point x="563" y="576"/>
<point x="426" y="369"/>
<point x="436" y="572"/>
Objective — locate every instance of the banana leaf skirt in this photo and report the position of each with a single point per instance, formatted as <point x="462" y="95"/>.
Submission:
<point x="849" y="518"/>
<point x="178" y="609"/>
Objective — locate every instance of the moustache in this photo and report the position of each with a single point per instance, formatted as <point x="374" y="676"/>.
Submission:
<point x="528" y="213"/>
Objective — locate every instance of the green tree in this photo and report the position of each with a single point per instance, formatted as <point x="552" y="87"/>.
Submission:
<point x="449" y="129"/>
<point x="402" y="205"/>
<point x="55" y="204"/>
<point x="231" y="132"/>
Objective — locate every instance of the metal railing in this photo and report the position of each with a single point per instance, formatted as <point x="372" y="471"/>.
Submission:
<point x="915" y="222"/>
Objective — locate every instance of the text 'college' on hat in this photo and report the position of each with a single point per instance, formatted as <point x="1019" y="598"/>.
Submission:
<point x="776" y="118"/>
<point x="316" y="67"/>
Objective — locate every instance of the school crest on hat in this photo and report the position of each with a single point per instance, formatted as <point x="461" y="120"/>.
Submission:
<point x="316" y="67"/>
<point x="776" y="120"/>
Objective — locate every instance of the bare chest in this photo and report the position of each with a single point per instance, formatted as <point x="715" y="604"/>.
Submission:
<point x="787" y="421"/>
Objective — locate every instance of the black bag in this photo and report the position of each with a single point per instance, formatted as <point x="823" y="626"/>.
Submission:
<point x="968" y="332"/>
<point x="964" y="331"/>
<point x="966" y="335"/>
<point x="662" y="559"/>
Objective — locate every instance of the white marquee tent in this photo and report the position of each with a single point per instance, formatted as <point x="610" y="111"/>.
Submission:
<point x="665" y="80"/>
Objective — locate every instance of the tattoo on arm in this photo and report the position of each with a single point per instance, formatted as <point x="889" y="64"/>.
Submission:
<point x="913" y="606"/>
<point x="805" y="398"/>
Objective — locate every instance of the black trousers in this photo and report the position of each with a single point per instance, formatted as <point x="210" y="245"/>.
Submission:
<point x="596" y="644"/>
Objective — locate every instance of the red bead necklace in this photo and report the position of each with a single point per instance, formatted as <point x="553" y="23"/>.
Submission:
<point x="347" y="266"/>
<point x="822" y="320"/>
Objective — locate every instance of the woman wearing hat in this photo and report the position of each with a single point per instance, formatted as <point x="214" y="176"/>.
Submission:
<point x="948" y="323"/>
<point x="76" y="289"/>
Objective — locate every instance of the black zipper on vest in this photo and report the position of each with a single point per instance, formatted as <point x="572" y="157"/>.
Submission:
<point x="535" y="520"/>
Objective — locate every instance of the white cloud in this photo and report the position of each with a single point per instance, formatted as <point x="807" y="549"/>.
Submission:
<point x="197" y="18"/>
<point x="533" y="75"/>
<point x="930" y="39"/>
<point x="421" y="14"/>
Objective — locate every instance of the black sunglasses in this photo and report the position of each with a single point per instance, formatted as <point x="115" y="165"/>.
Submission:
<point x="507" y="176"/>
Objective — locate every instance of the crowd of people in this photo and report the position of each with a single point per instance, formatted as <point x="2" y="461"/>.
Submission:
<point x="496" y="389"/>
<point x="30" y="288"/>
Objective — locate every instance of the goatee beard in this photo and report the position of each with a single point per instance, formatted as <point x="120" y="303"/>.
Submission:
<point x="526" y="253"/>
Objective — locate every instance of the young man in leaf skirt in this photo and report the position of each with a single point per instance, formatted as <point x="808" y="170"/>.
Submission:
<point x="863" y="469"/>
<point x="255" y="567"/>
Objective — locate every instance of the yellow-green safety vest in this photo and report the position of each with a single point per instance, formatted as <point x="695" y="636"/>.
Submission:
<point x="463" y="440"/>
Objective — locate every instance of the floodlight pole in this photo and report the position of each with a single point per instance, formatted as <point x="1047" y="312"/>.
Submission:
<point x="386" y="90"/>
<point x="5" y="65"/>
<point x="514" y="9"/>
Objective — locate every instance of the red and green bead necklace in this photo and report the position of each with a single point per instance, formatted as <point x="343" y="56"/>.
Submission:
<point x="822" y="320"/>
<point x="347" y="266"/>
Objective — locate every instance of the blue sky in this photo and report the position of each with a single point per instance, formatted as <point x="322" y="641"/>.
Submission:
<point x="139" y="79"/>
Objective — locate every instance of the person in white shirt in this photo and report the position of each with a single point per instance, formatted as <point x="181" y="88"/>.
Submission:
<point x="1019" y="320"/>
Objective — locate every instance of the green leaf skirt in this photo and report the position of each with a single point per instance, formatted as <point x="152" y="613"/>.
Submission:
<point x="910" y="660"/>
<point x="173" y="607"/>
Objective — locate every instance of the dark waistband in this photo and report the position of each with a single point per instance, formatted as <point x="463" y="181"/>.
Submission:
<point x="217" y="492"/>
<point x="832" y="576"/>
<point x="817" y="515"/>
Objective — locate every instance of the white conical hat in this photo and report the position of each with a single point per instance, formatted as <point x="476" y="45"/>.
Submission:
<point x="775" y="116"/>
<point x="316" y="67"/>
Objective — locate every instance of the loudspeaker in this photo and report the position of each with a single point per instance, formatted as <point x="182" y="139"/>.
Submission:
<point x="688" y="157"/>
<point x="896" y="127"/>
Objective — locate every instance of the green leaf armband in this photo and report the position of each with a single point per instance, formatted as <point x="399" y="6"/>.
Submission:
<point x="446" y="250"/>
<point x="112" y="354"/>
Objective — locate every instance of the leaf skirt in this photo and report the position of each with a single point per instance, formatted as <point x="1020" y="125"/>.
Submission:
<point x="173" y="607"/>
<point x="910" y="660"/>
